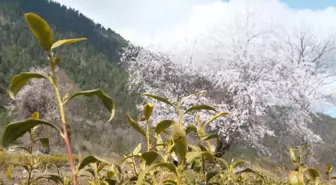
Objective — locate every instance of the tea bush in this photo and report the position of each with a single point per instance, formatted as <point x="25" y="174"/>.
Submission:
<point x="166" y="157"/>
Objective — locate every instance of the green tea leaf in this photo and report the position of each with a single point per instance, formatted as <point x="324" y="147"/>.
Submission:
<point x="89" y="160"/>
<point x="143" y="173"/>
<point x="210" y="136"/>
<point x="223" y="161"/>
<point x="194" y="148"/>
<point x="45" y="143"/>
<point x="19" y="81"/>
<point x="8" y="172"/>
<point x="28" y="150"/>
<point x="329" y="167"/>
<point x="210" y="175"/>
<point x="102" y="166"/>
<point x="292" y="155"/>
<point x="137" y="149"/>
<point x="41" y="30"/>
<point x="148" y="109"/>
<point x="198" y="108"/>
<point x="66" y="41"/>
<point x="150" y="157"/>
<point x="111" y="181"/>
<point x="15" y="130"/>
<point x="36" y="115"/>
<point x="169" y="182"/>
<point x="179" y="139"/>
<point x="136" y="126"/>
<point x="238" y="163"/>
<point x="106" y="100"/>
<point x="198" y="119"/>
<point x="218" y="115"/>
<point x="131" y="156"/>
<point x="249" y="170"/>
<point x="159" y="143"/>
<point x="163" y="125"/>
<point x="313" y="174"/>
<point x="159" y="98"/>
<point x="55" y="178"/>
<point x="191" y="176"/>
<point x="191" y="128"/>
<point x="110" y="173"/>
<point x="193" y="155"/>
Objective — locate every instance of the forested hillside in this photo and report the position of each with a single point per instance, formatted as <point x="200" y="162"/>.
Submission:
<point x="95" y="64"/>
<point x="91" y="64"/>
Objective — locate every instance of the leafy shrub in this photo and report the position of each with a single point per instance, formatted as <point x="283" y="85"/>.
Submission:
<point x="166" y="156"/>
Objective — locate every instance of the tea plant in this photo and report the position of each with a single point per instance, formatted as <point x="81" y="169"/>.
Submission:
<point x="191" y="158"/>
<point x="33" y="162"/>
<point x="167" y="158"/>
<point x="13" y="131"/>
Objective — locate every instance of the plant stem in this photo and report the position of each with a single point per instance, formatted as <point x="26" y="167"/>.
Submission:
<point x="147" y="135"/>
<point x="65" y="131"/>
<point x="204" y="173"/>
<point x="134" y="167"/>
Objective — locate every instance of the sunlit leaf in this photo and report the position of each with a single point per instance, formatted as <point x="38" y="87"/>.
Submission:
<point x="159" y="98"/>
<point x="40" y="29"/>
<point x="36" y="115"/>
<point x="210" y="175"/>
<point x="19" y="81"/>
<point x="163" y="125"/>
<point x="210" y="136"/>
<point x="148" y="109"/>
<point x="313" y="174"/>
<point x="169" y="182"/>
<point x="15" y="130"/>
<point x="223" y="161"/>
<point x="199" y="107"/>
<point x="159" y="143"/>
<point x="249" y="170"/>
<point x="45" y="143"/>
<point x="28" y="150"/>
<point x="102" y="166"/>
<point x="136" y="126"/>
<point x="110" y="173"/>
<point x="191" y="128"/>
<point x="150" y="157"/>
<point x="8" y="172"/>
<point x="89" y="160"/>
<point x="106" y="100"/>
<point x="194" y="148"/>
<point x="131" y="156"/>
<point x="193" y="155"/>
<point x="238" y="163"/>
<point x="55" y="178"/>
<point x="143" y="173"/>
<point x="292" y="155"/>
<point x="329" y="167"/>
<point x="66" y="41"/>
<point x="111" y="181"/>
<point x="179" y="139"/>
<point x="216" y="116"/>
<point x="191" y="176"/>
<point x="137" y="149"/>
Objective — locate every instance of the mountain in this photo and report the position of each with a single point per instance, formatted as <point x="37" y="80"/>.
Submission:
<point x="88" y="65"/>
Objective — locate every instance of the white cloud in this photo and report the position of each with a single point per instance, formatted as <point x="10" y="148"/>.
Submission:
<point x="168" y="21"/>
<point x="165" y="23"/>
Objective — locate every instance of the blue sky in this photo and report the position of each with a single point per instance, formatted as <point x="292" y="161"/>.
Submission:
<point x="310" y="4"/>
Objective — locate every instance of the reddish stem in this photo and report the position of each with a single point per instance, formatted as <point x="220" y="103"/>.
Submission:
<point x="67" y="143"/>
